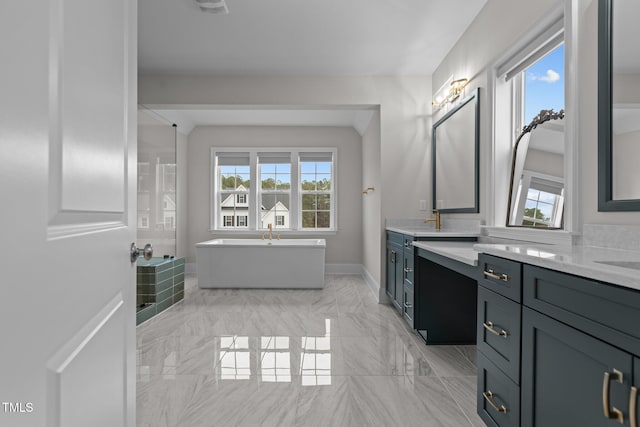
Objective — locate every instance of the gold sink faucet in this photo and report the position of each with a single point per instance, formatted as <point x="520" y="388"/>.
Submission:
<point x="435" y="219"/>
<point x="270" y="231"/>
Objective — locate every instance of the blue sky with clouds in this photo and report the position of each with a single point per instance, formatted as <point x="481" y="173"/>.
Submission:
<point x="544" y="84"/>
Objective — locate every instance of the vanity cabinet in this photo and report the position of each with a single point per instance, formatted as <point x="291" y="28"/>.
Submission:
<point x="406" y="294"/>
<point x="400" y="273"/>
<point x="395" y="269"/>
<point x="580" y="352"/>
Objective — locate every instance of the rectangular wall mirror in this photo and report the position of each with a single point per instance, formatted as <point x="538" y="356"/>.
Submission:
<point x="455" y="158"/>
<point x="618" y="106"/>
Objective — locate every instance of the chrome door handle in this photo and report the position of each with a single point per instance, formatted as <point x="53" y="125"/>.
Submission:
<point x="408" y="270"/>
<point x="147" y="252"/>
<point x="613" y="413"/>
<point x="489" y="327"/>
<point x="408" y="305"/>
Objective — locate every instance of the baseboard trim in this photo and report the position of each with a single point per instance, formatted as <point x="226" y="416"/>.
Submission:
<point x="355" y="269"/>
<point x="373" y="285"/>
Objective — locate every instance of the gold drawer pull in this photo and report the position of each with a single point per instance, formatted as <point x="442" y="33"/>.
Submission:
<point x="488" y="396"/>
<point x="489" y="327"/>
<point x="614" y="413"/>
<point x="633" y="407"/>
<point x="493" y="275"/>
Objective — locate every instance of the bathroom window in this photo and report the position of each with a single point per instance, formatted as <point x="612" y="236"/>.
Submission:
<point x="233" y="184"/>
<point x="293" y="190"/>
<point x="275" y="189"/>
<point x="316" y="190"/>
<point x="534" y="76"/>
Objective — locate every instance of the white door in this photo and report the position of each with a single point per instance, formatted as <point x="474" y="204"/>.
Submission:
<point x="67" y="212"/>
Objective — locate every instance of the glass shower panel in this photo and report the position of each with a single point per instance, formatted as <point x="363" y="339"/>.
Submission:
<point x="157" y="209"/>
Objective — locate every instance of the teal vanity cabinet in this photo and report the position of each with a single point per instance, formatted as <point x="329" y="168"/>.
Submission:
<point x="405" y="289"/>
<point x="579" y="350"/>
<point x="395" y="269"/>
<point x="588" y="334"/>
<point x="400" y="273"/>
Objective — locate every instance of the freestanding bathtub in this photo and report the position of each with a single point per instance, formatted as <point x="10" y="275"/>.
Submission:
<point x="256" y="263"/>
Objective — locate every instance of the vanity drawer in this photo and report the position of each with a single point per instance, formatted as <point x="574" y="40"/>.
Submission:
<point x="498" y="397"/>
<point x="501" y="275"/>
<point x="498" y="329"/>
<point x="605" y="311"/>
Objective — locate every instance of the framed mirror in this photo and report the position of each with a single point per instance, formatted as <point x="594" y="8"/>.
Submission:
<point x="618" y="106"/>
<point x="455" y="158"/>
<point x="536" y="189"/>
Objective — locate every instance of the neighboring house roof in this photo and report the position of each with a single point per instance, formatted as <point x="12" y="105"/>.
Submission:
<point x="171" y="201"/>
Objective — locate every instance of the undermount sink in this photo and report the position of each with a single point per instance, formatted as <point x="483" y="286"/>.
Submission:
<point x="635" y="265"/>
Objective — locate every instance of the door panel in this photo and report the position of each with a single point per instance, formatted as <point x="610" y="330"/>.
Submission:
<point x="67" y="185"/>
<point x="562" y="375"/>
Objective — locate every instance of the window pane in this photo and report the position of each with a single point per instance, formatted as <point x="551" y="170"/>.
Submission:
<point x="324" y="219"/>
<point x="324" y="182"/>
<point x="283" y="181"/>
<point x="547" y="197"/>
<point x="307" y="167"/>
<point x="273" y="206"/>
<point x="544" y="84"/>
<point x="267" y="168"/>
<point x="308" y="182"/>
<point x="308" y="219"/>
<point x="268" y="181"/>
<point x="546" y="211"/>
<point x="308" y="202"/>
<point x="324" y="201"/>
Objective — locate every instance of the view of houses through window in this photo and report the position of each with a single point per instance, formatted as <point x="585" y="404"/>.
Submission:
<point x="290" y="195"/>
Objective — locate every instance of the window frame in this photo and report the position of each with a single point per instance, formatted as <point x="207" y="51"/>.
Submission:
<point x="295" y="226"/>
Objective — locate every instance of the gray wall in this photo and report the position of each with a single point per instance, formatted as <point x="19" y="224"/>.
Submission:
<point x="405" y="109"/>
<point x="495" y="29"/>
<point x="343" y="247"/>
<point x="373" y="238"/>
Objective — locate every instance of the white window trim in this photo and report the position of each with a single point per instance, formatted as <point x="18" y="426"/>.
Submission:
<point x="497" y="172"/>
<point x="295" y="215"/>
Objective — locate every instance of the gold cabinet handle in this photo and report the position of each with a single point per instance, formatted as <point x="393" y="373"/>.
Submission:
<point x="633" y="407"/>
<point x="488" y="396"/>
<point x="613" y="413"/>
<point x="490" y="327"/>
<point x="491" y="274"/>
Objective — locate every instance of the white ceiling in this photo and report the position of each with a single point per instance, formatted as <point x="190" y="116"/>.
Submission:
<point x="296" y="37"/>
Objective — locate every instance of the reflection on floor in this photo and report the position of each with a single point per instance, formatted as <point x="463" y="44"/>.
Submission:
<point x="331" y="357"/>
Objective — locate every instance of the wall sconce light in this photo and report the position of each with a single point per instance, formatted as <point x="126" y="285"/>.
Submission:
<point x="455" y="89"/>
<point x="366" y="190"/>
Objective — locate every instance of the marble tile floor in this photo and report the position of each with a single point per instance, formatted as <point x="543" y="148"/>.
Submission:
<point x="330" y="357"/>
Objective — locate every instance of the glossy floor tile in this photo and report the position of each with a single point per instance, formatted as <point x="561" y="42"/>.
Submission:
<point x="330" y="357"/>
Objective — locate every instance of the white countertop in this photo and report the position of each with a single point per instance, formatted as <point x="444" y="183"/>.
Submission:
<point x="459" y="251"/>
<point x="432" y="232"/>
<point x="585" y="261"/>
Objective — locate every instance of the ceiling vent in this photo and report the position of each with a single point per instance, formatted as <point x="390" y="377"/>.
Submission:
<point x="218" y="7"/>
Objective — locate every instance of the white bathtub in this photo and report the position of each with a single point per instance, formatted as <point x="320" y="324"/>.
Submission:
<point x="256" y="263"/>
